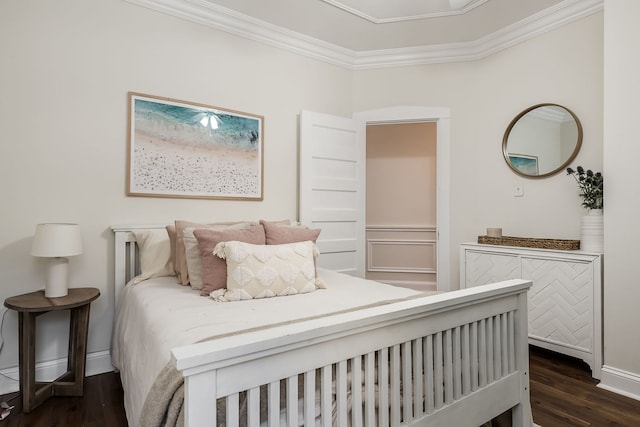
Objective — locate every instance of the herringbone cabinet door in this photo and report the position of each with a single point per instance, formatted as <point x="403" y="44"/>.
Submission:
<point x="560" y="301"/>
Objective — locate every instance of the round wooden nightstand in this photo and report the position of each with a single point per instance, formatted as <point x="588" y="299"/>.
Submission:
<point x="31" y="305"/>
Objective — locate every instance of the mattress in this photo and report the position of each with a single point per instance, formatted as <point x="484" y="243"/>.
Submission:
<point x="157" y="315"/>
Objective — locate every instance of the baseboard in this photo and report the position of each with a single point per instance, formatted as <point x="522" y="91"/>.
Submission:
<point x="98" y="362"/>
<point x="620" y="382"/>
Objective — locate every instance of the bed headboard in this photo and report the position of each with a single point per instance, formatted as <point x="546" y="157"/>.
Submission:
<point x="127" y="261"/>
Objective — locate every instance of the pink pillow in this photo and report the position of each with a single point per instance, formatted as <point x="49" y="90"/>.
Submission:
<point x="278" y="234"/>
<point x="180" y="259"/>
<point x="214" y="269"/>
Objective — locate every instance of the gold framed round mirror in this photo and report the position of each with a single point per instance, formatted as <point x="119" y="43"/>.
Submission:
<point x="542" y="140"/>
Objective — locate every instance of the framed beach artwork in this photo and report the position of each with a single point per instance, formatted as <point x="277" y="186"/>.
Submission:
<point x="524" y="163"/>
<point x="183" y="149"/>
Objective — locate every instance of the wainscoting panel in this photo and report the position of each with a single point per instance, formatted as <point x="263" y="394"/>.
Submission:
<point x="402" y="255"/>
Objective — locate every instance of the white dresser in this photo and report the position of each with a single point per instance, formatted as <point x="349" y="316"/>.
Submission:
<point x="565" y="301"/>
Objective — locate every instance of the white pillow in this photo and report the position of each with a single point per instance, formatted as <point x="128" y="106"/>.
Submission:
<point x="155" y="254"/>
<point x="262" y="271"/>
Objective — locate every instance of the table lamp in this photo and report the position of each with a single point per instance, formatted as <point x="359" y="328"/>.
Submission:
<point x="57" y="242"/>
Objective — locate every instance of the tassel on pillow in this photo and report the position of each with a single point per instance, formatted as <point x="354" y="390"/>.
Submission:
<point x="219" y="250"/>
<point x="320" y="283"/>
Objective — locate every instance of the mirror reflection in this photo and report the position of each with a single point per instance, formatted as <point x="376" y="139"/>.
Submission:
<point x="542" y="140"/>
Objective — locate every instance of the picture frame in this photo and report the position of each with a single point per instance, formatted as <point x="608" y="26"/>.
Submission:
<point x="190" y="150"/>
<point x="525" y="163"/>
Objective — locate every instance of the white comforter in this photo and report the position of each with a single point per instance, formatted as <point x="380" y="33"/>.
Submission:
<point x="157" y="315"/>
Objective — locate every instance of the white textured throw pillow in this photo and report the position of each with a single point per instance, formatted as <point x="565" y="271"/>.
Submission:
<point x="262" y="271"/>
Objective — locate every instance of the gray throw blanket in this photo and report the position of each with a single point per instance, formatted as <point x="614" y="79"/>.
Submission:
<point x="164" y="404"/>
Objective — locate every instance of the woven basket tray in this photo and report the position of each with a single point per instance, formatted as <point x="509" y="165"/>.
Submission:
<point x="530" y="242"/>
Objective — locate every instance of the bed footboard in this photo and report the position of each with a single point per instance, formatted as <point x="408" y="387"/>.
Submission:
<point x="454" y="359"/>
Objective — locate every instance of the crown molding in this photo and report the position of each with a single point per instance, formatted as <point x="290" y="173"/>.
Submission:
<point x="470" y="5"/>
<point x="227" y="20"/>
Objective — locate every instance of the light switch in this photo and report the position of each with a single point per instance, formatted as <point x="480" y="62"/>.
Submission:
<point x="518" y="189"/>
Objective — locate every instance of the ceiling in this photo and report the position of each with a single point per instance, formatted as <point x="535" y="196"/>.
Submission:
<point x="377" y="33"/>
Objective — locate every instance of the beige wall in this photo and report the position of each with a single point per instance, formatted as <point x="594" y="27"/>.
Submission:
<point x="621" y="204"/>
<point x="401" y="171"/>
<point x="401" y="203"/>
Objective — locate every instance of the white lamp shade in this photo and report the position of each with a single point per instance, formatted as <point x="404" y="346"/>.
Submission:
<point x="57" y="240"/>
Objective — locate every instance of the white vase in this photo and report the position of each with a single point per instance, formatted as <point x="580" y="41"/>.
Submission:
<point x="592" y="232"/>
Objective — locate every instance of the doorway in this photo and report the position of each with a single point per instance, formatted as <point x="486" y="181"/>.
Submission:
<point x="401" y="201"/>
<point x="441" y="117"/>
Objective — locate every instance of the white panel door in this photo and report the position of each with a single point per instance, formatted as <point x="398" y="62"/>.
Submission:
<point x="331" y="189"/>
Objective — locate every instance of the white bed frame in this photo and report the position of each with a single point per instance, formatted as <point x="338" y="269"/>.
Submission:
<point x="460" y="358"/>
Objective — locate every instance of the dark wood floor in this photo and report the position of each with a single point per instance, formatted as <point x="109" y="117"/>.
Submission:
<point x="562" y="394"/>
<point x="101" y="406"/>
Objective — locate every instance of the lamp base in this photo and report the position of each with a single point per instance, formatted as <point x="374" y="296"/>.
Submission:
<point x="56" y="284"/>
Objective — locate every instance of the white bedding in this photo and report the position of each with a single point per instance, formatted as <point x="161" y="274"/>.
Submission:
<point x="157" y="315"/>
